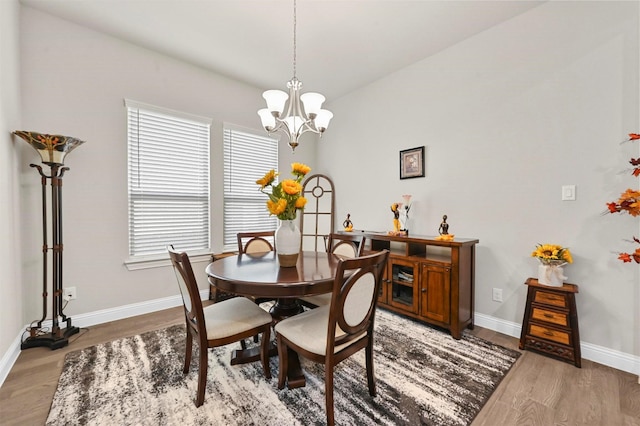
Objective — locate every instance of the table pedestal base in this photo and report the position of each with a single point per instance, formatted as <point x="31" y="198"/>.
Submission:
<point x="295" y="377"/>
<point x="244" y="356"/>
<point x="285" y="308"/>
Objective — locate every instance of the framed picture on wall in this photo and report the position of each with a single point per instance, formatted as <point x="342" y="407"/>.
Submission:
<point x="412" y="163"/>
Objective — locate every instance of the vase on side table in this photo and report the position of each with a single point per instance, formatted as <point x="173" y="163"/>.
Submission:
<point x="551" y="275"/>
<point x="288" y="243"/>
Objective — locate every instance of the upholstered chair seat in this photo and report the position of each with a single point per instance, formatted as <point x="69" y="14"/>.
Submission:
<point x="233" y="316"/>
<point x="309" y="331"/>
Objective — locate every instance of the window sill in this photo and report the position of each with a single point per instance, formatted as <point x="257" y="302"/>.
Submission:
<point x="162" y="260"/>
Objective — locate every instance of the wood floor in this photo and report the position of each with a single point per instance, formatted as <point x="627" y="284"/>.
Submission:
<point x="537" y="391"/>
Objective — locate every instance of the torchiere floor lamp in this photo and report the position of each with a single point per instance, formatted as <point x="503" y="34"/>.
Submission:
<point x="52" y="150"/>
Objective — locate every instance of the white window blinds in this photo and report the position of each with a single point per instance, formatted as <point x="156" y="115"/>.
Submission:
<point x="168" y="180"/>
<point x="247" y="157"/>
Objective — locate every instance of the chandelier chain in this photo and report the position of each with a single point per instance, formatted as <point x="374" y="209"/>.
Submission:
<point x="294" y="38"/>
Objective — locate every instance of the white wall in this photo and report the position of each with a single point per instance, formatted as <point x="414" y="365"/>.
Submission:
<point x="74" y="81"/>
<point x="507" y="118"/>
<point x="11" y="313"/>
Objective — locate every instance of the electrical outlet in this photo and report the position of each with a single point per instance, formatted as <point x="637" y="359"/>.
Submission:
<point x="69" y="293"/>
<point x="497" y="294"/>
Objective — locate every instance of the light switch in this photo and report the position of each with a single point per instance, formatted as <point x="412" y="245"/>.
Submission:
<point x="568" y="192"/>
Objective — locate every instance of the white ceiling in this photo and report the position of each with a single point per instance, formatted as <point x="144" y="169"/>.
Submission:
<point x="341" y="45"/>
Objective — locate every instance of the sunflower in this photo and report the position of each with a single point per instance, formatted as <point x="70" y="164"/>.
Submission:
<point x="552" y="254"/>
<point x="291" y="187"/>
<point x="277" y="207"/>
<point x="268" y="179"/>
<point x="300" y="169"/>
<point x="285" y="198"/>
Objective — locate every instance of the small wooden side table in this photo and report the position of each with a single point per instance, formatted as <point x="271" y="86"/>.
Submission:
<point x="550" y="324"/>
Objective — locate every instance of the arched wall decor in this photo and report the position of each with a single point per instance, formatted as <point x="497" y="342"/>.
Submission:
<point x="317" y="220"/>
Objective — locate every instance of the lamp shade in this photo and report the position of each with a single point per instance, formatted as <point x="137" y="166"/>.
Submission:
<point x="276" y="100"/>
<point x="312" y="103"/>
<point x="268" y="120"/>
<point x="52" y="148"/>
<point x="322" y="120"/>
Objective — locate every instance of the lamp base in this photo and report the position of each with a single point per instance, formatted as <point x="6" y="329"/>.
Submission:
<point x="50" y="340"/>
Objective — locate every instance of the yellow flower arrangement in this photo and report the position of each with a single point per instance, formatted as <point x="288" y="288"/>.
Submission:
<point x="286" y="197"/>
<point x="551" y="254"/>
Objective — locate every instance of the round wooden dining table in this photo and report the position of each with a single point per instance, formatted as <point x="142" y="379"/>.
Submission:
<point x="260" y="275"/>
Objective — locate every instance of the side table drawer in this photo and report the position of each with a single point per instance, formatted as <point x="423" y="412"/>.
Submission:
<point x="558" y="318"/>
<point x="552" y="299"/>
<point x="562" y="337"/>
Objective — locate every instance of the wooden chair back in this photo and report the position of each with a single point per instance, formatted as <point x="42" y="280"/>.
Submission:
<point x="256" y="242"/>
<point x="232" y="320"/>
<point x="354" y="298"/>
<point x="346" y="245"/>
<point x="190" y="293"/>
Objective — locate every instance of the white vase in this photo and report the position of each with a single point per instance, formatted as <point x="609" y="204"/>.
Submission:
<point x="288" y="243"/>
<point x="551" y="275"/>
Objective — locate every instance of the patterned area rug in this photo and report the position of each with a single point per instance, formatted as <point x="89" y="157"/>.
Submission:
<point x="423" y="376"/>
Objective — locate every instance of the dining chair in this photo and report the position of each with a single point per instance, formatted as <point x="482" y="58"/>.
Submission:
<point x="218" y="324"/>
<point x="256" y="242"/>
<point x="332" y="333"/>
<point x="345" y="246"/>
<point x="249" y="242"/>
<point x="348" y="245"/>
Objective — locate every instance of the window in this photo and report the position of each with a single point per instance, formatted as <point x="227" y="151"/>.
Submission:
<point x="168" y="180"/>
<point x="247" y="157"/>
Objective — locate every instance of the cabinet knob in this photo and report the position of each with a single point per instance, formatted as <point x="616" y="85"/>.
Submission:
<point x="424" y="290"/>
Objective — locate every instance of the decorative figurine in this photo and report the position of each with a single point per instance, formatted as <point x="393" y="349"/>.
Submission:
<point x="444" y="231"/>
<point x="348" y="225"/>
<point x="444" y="226"/>
<point x="395" y="208"/>
<point x="404" y="213"/>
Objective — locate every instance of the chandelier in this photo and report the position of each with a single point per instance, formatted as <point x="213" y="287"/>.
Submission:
<point x="304" y="112"/>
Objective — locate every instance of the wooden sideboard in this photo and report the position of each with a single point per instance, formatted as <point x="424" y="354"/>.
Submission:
<point x="428" y="279"/>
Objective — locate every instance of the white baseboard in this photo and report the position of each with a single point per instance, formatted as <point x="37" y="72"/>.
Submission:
<point x="93" y="318"/>
<point x="609" y="357"/>
<point x="9" y="358"/>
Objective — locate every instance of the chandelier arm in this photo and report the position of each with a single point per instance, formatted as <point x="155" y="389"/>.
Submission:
<point x="281" y="126"/>
<point x="307" y="127"/>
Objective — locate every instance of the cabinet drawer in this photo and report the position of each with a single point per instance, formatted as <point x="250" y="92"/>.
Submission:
<point x="552" y="299"/>
<point x="550" y="334"/>
<point x="545" y="315"/>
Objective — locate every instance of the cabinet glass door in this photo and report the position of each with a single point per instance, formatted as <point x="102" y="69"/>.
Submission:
<point x="403" y="280"/>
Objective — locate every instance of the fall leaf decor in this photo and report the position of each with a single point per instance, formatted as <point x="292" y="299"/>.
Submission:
<point x="629" y="202"/>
